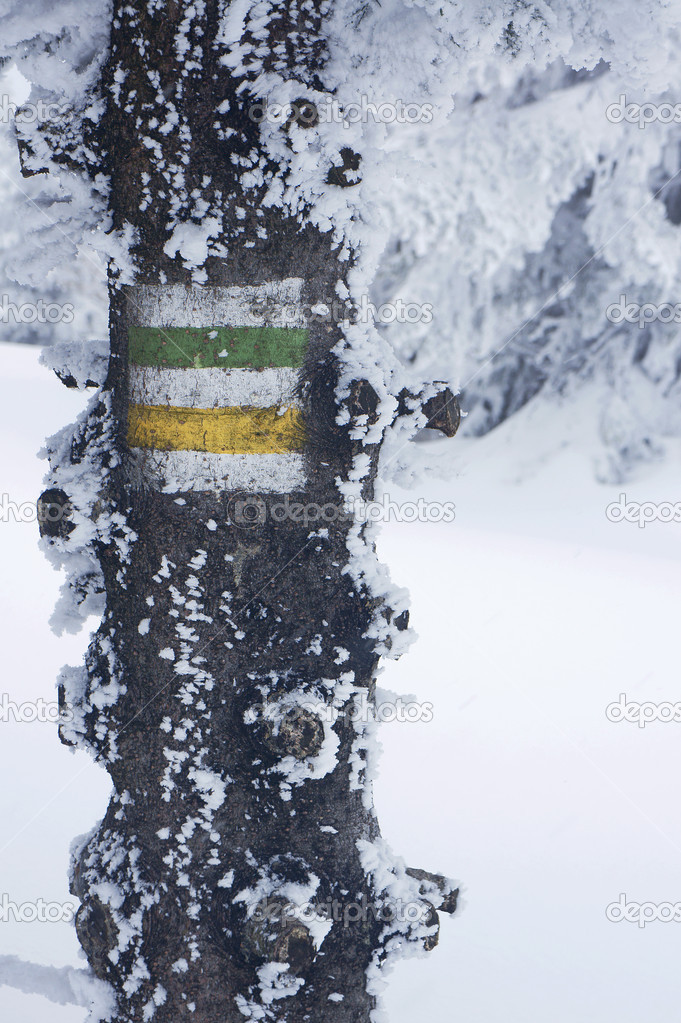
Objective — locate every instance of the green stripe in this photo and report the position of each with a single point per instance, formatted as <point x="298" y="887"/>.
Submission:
<point x="255" y="347"/>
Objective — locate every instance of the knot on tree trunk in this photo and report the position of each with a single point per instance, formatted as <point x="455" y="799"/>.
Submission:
<point x="54" y="514"/>
<point x="98" y="934"/>
<point x="274" y="934"/>
<point x="441" y="410"/>
<point x="345" y="174"/>
<point x="297" y="733"/>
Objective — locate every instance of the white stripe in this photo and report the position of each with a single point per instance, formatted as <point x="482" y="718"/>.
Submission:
<point x="213" y="387"/>
<point x="273" y="304"/>
<point x="175" y="472"/>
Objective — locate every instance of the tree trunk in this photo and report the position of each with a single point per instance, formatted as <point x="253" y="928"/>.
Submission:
<point x="239" y="870"/>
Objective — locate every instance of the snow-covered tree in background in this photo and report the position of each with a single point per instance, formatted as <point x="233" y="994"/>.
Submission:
<point x="42" y="304"/>
<point x="526" y="220"/>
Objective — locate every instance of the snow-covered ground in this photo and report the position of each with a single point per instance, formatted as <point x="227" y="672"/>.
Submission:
<point x="534" y="613"/>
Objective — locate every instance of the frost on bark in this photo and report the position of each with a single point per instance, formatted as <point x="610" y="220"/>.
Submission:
<point x="239" y="871"/>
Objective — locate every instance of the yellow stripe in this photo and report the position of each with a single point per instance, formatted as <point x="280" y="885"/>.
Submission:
<point x="234" y="431"/>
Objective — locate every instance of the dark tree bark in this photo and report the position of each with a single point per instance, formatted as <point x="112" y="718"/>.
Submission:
<point x="230" y="685"/>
